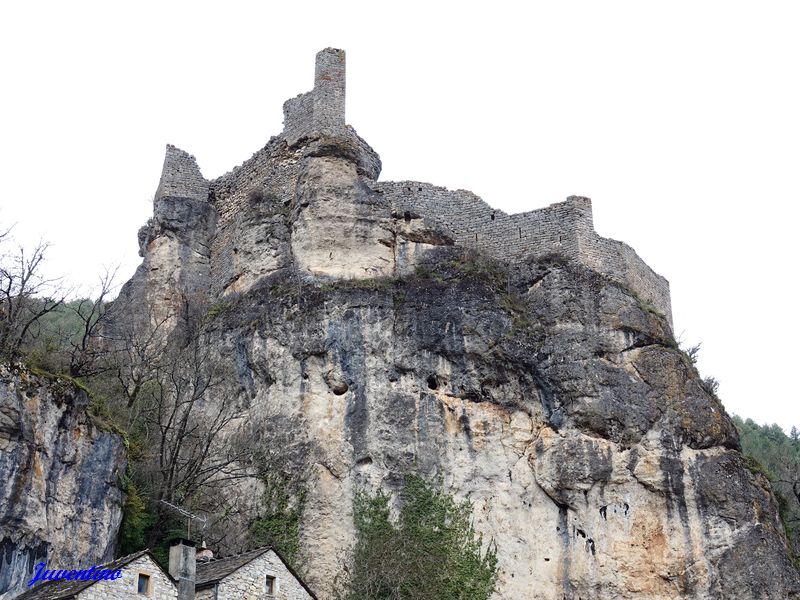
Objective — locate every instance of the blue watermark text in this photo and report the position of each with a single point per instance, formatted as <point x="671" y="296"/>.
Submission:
<point x="93" y="574"/>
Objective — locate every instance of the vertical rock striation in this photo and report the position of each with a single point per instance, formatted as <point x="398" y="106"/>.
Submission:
<point x="550" y="397"/>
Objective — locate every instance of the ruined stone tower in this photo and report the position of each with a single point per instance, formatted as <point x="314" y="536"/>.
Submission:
<point x="321" y="110"/>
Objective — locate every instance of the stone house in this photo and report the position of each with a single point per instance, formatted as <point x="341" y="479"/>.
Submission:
<point x="142" y="577"/>
<point x="259" y="574"/>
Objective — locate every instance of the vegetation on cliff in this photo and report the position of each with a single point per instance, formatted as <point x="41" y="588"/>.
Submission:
<point x="154" y="389"/>
<point x="777" y="456"/>
<point x="430" y="552"/>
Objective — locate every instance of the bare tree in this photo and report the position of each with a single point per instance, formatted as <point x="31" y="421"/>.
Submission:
<point x="190" y="405"/>
<point x="182" y="402"/>
<point x="25" y="295"/>
<point x="135" y="343"/>
<point x="188" y="414"/>
<point x="86" y="349"/>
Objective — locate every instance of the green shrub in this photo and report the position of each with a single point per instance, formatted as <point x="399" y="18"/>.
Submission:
<point x="431" y="552"/>
<point x="136" y="520"/>
<point x="282" y="505"/>
<point x="217" y="309"/>
<point x="769" y="451"/>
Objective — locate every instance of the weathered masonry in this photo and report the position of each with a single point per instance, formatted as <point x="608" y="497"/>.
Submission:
<point x="311" y="199"/>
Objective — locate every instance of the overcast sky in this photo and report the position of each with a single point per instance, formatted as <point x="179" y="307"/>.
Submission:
<point x="679" y="119"/>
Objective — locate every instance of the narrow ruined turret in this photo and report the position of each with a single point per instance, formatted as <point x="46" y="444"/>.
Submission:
<point x="181" y="177"/>
<point x="320" y="111"/>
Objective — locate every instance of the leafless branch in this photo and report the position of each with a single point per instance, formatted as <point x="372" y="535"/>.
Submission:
<point x="26" y="296"/>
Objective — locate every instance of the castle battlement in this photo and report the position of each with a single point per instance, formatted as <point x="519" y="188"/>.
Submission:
<point x="564" y="228"/>
<point x="310" y="199"/>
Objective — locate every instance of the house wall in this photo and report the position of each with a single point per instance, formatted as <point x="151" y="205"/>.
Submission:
<point x="250" y="582"/>
<point x="162" y="586"/>
<point x="206" y="594"/>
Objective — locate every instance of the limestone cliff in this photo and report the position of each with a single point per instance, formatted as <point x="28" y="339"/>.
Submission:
<point x="60" y="477"/>
<point x="390" y="327"/>
<point x="594" y="457"/>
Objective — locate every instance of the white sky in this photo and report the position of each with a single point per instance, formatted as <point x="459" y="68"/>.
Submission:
<point x="679" y="119"/>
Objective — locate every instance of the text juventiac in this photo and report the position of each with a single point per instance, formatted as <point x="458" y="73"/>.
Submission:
<point x="42" y="574"/>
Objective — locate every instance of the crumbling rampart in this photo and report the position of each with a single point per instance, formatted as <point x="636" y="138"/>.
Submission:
<point x="180" y="177"/>
<point x="565" y="228"/>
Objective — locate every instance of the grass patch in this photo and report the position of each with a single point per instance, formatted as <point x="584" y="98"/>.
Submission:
<point x="64" y="388"/>
<point x="371" y="283"/>
<point x="518" y="311"/>
<point x="218" y="308"/>
<point x="755" y="467"/>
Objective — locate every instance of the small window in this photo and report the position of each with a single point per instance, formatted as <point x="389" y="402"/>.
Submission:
<point x="143" y="584"/>
<point x="270" y="585"/>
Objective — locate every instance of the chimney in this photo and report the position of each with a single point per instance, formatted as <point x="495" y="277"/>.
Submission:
<point x="204" y="553"/>
<point x="182" y="566"/>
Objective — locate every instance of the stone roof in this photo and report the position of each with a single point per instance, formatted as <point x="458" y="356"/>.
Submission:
<point x="217" y="569"/>
<point x="63" y="590"/>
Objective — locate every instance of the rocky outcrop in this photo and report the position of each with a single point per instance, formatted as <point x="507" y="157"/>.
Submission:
<point x="176" y="247"/>
<point x="523" y="359"/>
<point x="549" y="396"/>
<point x="61" y="471"/>
<point x="341" y="229"/>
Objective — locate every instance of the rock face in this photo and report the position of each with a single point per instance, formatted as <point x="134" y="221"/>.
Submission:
<point x="341" y="230"/>
<point x="592" y="454"/>
<point x="391" y="327"/>
<point x="60" y="496"/>
<point x="175" y="244"/>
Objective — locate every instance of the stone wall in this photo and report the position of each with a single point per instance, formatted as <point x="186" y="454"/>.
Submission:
<point x="620" y="262"/>
<point x="162" y="586"/>
<point x="181" y="177"/>
<point x="246" y="200"/>
<point x="472" y="222"/>
<point x="249" y="581"/>
<point x="565" y="228"/>
<point x="298" y="115"/>
<point x="322" y="110"/>
<point x="329" y="91"/>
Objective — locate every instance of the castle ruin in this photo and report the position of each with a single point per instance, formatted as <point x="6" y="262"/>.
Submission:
<point x="311" y="198"/>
